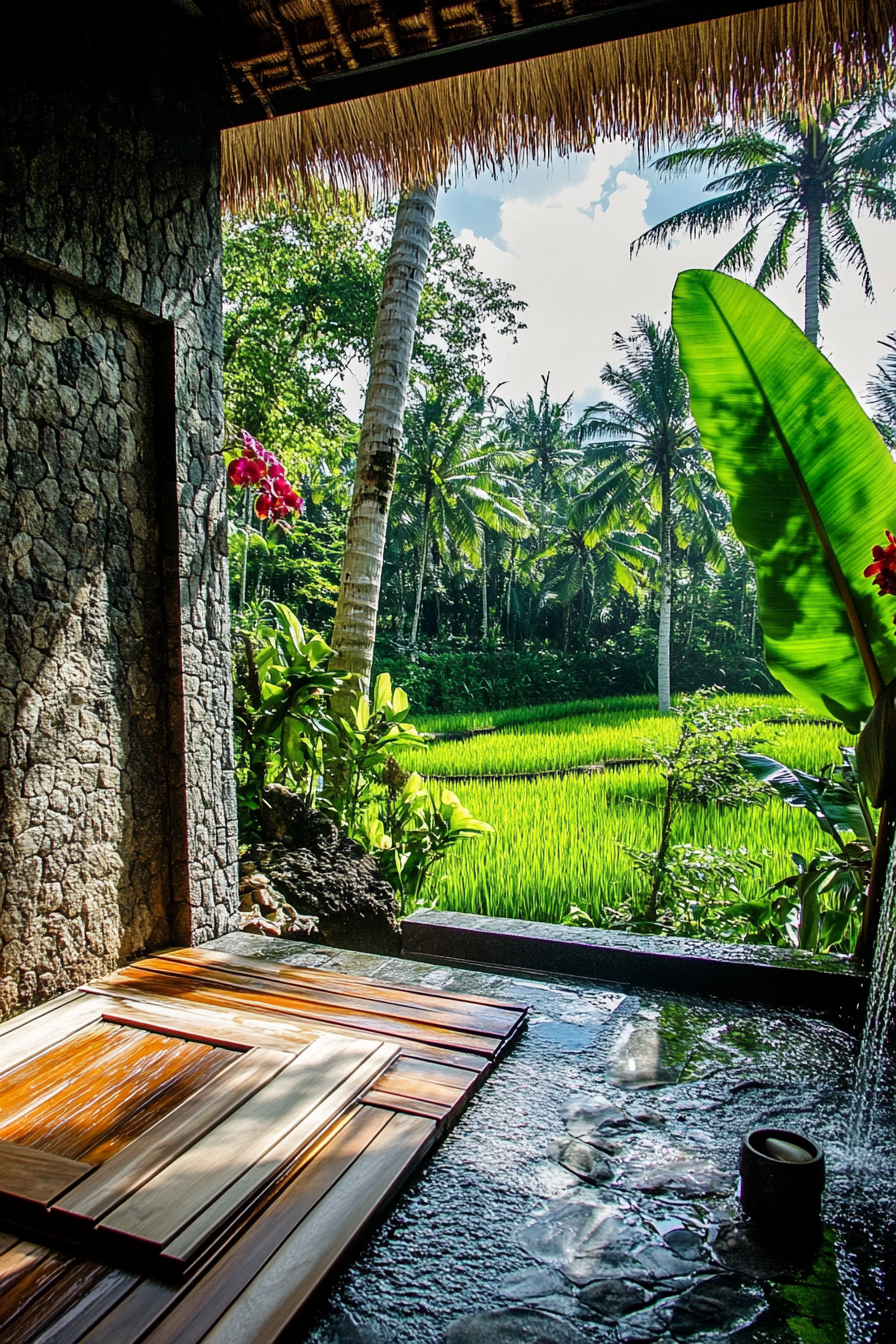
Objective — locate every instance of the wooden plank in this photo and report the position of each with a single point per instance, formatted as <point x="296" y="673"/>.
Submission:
<point x="207" y="955"/>
<point x="72" y="1320"/>
<point x="41" y="1010"/>
<point x="185" y="1247"/>
<point x="27" y="1272"/>
<point x="218" y="1288"/>
<point x="433" y="1110"/>
<point x="95" y="1092"/>
<point x="171" y="1136"/>
<point x="256" y="1028"/>
<point x="232" y="1027"/>
<point x="404" y="1081"/>
<point x="38" y="1308"/>
<point x="130" y="1319"/>
<point x="385" y="990"/>
<point x="46" y="1029"/>
<point x="193" y="989"/>
<point x="164" y="1206"/>
<point x="37" y="1176"/>
<point x="270" y="1302"/>
<point x="460" y="1017"/>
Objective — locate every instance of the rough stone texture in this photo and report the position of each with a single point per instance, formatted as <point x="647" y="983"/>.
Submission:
<point x="118" y="814"/>
<point x="322" y="873"/>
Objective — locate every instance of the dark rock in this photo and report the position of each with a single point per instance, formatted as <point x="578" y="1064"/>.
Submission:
<point x="721" y="1304"/>
<point x="692" y="1176"/>
<point x="653" y="1118"/>
<point x="574" y="1230"/>
<point x="589" y="1118"/>
<point x="514" y="1325"/>
<point x="638" y="1060"/>
<point x="611" y="1298"/>
<point x="321" y="873"/>
<point x="524" y="1284"/>
<point x="582" y="1160"/>
<point x="684" y="1242"/>
<point x="659" y="1262"/>
<point x="646" y="1325"/>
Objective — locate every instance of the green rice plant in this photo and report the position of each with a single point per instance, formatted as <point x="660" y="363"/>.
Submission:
<point x="576" y="831"/>
<point x="632" y="704"/>
<point x="582" y="739"/>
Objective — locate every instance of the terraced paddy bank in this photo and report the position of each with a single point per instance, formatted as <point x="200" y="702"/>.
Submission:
<point x="562" y="841"/>
<point x="590" y="735"/>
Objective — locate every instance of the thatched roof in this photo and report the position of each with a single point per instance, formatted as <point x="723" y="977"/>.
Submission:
<point x="648" y="87"/>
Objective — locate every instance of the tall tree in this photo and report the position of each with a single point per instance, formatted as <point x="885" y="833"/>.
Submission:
<point x="809" y="175"/>
<point x="542" y="432"/>
<point x="882" y="393"/>
<point x="645" y="446"/>
<point x="354" y="629"/>
<point x="453" y="486"/>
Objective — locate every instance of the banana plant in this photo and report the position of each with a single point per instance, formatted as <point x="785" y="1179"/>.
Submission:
<point x="813" y="492"/>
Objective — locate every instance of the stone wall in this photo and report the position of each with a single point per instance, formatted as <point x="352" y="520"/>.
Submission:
<point x="118" y="816"/>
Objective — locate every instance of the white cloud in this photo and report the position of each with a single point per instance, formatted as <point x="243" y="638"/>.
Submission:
<point x="567" y="252"/>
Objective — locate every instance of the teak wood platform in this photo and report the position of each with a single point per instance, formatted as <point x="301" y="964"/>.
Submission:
<point x="189" y="1145"/>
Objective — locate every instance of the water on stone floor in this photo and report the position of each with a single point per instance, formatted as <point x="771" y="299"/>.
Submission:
<point x="871" y="1067"/>
<point x="589" y="1192"/>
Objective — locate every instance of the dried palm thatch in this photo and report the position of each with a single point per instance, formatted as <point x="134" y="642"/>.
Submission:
<point x="648" y="88"/>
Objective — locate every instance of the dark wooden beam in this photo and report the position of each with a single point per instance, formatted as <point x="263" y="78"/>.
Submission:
<point x="518" y="44"/>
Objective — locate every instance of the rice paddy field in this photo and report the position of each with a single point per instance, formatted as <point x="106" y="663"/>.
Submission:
<point x="561" y="841"/>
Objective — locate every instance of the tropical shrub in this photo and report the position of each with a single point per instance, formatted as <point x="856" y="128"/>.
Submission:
<point x="343" y="765"/>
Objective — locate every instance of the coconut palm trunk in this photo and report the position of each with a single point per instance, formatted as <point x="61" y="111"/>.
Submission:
<point x="813" y="270"/>
<point x="424" y="556"/>
<point x="663" y="674"/>
<point x="354" y="629"/>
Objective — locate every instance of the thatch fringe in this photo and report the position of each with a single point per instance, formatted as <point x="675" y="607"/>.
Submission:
<point x="649" y="89"/>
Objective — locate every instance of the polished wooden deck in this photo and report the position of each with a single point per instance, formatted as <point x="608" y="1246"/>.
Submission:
<point x="188" y="1146"/>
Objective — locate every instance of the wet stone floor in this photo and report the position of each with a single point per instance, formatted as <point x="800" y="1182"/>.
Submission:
<point x="589" y="1191"/>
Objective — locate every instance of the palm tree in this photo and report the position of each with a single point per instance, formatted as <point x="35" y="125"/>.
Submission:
<point x="354" y="628"/>
<point x="647" y="452"/>
<point x="542" y="432"/>
<point x="882" y="393"/>
<point x="809" y="175"/>
<point x="584" y="548"/>
<point x="453" y="487"/>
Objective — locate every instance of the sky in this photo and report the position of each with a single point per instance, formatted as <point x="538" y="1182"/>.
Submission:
<point x="561" y="234"/>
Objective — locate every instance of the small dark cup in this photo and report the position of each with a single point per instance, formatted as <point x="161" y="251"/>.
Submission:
<point x="780" y="1194"/>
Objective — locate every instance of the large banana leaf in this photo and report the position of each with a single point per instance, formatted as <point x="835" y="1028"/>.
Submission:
<point x="811" y="484"/>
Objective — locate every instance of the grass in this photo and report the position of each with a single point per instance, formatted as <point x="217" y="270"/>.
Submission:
<point x="561" y="842"/>
<point x="558" y="843"/>
<point x="599" y="734"/>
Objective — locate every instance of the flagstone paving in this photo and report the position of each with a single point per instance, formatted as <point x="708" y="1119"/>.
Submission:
<point x="589" y="1192"/>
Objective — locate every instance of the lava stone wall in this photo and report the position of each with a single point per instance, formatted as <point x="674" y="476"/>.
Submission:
<point x="116" y="790"/>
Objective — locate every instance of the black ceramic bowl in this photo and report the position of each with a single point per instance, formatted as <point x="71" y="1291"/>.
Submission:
<point x="775" y="1192"/>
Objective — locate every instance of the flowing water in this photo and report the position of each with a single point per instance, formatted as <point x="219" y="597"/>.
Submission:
<point x="871" y="1065"/>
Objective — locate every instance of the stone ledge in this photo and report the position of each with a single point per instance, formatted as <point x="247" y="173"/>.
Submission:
<point x="782" y="977"/>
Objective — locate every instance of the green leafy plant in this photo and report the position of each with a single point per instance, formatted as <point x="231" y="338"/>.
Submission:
<point x="812" y="489"/>
<point x="375" y="727"/>
<point x="281" y="721"/>
<point x="286" y="732"/>
<point x="811" y="484"/>
<point x="418" y="830"/>
<point x="700" y="768"/>
<point x="827" y="891"/>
